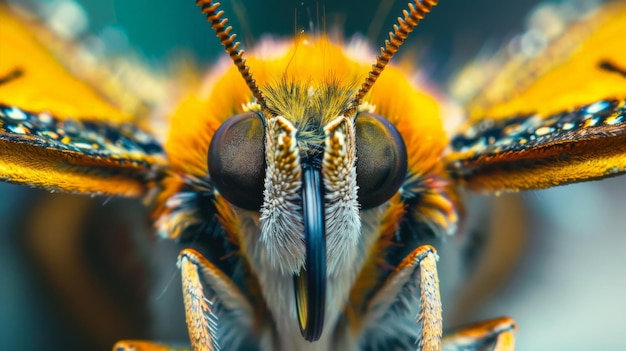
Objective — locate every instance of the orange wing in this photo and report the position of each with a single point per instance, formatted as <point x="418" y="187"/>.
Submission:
<point x="58" y="132"/>
<point x="555" y="118"/>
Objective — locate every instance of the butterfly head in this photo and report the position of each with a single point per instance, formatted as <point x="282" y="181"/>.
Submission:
<point x="304" y="160"/>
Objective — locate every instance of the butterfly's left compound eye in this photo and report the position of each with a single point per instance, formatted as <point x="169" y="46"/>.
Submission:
<point x="237" y="160"/>
<point x="381" y="160"/>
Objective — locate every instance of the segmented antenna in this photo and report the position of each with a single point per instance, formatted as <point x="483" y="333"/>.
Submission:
<point x="400" y="32"/>
<point x="209" y="8"/>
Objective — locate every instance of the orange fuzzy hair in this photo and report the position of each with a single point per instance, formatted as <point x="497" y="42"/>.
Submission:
<point x="314" y="61"/>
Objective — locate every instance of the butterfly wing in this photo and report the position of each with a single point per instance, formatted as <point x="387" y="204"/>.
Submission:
<point x="61" y="133"/>
<point x="554" y="118"/>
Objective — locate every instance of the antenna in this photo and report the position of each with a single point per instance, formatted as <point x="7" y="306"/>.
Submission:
<point x="412" y="17"/>
<point x="209" y="8"/>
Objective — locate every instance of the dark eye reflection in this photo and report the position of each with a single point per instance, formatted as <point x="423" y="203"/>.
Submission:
<point x="381" y="163"/>
<point x="237" y="160"/>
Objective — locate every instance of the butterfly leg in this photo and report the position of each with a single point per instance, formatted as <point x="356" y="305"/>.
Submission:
<point x="416" y="274"/>
<point x="140" y="345"/>
<point x="499" y="332"/>
<point x="198" y="309"/>
<point x="430" y="314"/>
<point x="205" y="285"/>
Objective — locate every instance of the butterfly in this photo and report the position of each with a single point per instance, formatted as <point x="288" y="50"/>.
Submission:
<point x="318" y="187"/>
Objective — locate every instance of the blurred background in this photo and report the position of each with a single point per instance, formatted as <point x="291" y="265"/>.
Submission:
<point x="80" y="273"/>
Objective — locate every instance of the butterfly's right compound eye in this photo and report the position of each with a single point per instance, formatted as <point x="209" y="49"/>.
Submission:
<point x="381" y="159"/>
<point x="237" y="160"/>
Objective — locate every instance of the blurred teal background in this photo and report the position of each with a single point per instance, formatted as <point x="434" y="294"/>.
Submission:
<point x="566" y="292"/>
<point x="159" y="29"/>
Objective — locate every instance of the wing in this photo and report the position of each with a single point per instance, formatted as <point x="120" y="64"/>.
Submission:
<point x="60" y="133"/>
<point x="554" y="118"/>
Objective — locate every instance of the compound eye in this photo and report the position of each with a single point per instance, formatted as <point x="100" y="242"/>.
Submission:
<point x="237" y="160"/>
<point x="381" y="160"/>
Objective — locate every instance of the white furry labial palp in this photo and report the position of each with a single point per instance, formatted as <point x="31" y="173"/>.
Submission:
<point x="343" y="224"/>
<point x="282" y="226"/>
